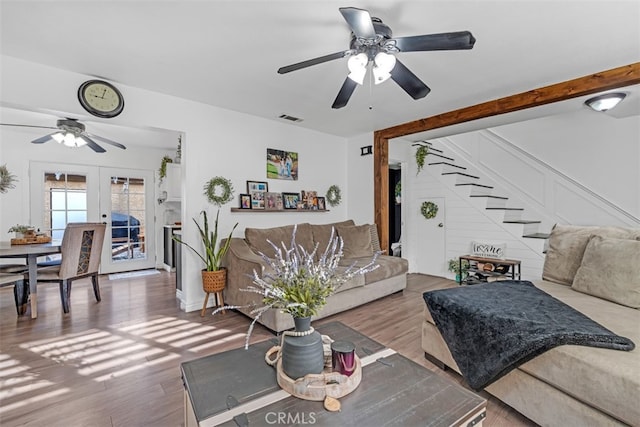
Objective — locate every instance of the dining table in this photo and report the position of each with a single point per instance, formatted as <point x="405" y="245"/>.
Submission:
<point x="30" y="253"/>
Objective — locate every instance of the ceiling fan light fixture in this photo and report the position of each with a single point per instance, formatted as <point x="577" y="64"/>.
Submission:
<point x="384" y="63"/>
<point x="605" y="102"/>
<point x="357" y="65"/>
<point x="58" y="137"/>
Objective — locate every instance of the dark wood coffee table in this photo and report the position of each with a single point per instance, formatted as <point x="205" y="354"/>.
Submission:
<point x="237" y="388"/>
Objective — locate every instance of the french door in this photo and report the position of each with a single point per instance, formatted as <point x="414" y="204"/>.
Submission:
<point x="121" y="198"/>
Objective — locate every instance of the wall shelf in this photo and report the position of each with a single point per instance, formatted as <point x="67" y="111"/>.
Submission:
<point x="240" y="210"/>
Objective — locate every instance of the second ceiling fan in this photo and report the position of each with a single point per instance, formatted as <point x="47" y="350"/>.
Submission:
<point x="372" y="42"/>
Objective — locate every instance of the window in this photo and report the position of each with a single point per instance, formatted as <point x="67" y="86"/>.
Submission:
<point x="65" y="200"/>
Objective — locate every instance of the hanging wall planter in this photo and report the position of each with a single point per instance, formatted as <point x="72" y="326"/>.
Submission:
<point x="421" y="155"/>
<point x="218" y="190"/>
<point x="429" y="210"/>
<point x="7" y="179"/>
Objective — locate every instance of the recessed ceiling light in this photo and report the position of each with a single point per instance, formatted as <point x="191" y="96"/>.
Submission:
<point x="605" y="102"/>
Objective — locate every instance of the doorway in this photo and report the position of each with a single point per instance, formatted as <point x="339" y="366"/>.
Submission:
<point x="430" y="239"/>
<point x="121" y="198"/>
<point x="395" y="209"/>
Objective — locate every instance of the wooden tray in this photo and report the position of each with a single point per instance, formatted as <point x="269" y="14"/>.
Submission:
<point x="319" y="386"/>
<point x="31" y="240"/>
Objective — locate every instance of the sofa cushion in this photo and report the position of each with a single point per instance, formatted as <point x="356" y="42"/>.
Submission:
<point x="566" y="248"/>
<point x="610" y="269"/>
<point x="375" y="239"/>
<point x="257" y="238"/>
<point x="357" y="240"/>
<point x="322" y="233"/>
<point x="603" y="378"/>
<point x="389" y="266"/>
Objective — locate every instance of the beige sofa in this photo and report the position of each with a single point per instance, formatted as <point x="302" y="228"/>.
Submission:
<point x="595" y="270"/>
<point x="360" y="242"/>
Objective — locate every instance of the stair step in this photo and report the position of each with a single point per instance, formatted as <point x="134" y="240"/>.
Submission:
<point x="537" y="236"/>
<point x="506" y="209"/>
<point x="522" y="221"/>
<point x="489" y="196"/>
<point x="461" y="174"/>
<point x="447" y="164"/>
<point x="475" y="185"/>
<point x="440" y="155"/>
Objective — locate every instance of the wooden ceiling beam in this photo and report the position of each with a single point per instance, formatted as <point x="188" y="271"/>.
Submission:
<point x="615" y="78"/>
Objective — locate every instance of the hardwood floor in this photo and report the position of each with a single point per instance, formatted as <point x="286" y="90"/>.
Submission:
<point x="116" y="363"/>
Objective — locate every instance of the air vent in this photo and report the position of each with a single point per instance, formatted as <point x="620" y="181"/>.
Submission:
<point x="290" y="118"/>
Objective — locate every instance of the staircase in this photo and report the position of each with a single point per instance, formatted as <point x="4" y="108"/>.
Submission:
<point x="481" y="191"/>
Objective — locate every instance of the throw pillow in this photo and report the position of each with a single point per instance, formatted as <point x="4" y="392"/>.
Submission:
<point x="566" y="248"/>
<point x="357" y="240"/>
<point x="610" y="269"/>
<point x="322" y="233"/>
<point x="375" y="239"/>
<point x="257" y="238"/>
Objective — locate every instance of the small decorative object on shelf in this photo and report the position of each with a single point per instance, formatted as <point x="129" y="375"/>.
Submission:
<point x="333" y="195"/>
<point x="218" y="190"/>
<point x="459" y="267"/>
<point x="162" y="172"/>
<point x="7" y="179"/>
<point x="429" y="210"/>
<point x="421" y="155"/>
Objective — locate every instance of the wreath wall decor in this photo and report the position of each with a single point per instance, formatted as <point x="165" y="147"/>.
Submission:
<point x="429" y="210"/>
<point x="333" y="195"/>
<point x="7" y="179"/>
<point x="219" y="190"/>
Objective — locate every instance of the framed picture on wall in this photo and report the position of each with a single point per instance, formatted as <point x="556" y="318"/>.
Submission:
<point x="282" y="164"/>
<point x="290" y="200"/>
<point x="257" y="190"/>
<point x="273" y="201"/>
<point x="245" y="201"/>
<point x="321" y="204"/>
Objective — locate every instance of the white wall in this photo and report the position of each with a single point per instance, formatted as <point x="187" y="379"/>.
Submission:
<point x="217" y="142"/>
<point x="576" y="168"/>
<point x="359" y="199"/>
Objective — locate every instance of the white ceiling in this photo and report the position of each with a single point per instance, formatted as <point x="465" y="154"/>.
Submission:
<point x="226" y="53"/>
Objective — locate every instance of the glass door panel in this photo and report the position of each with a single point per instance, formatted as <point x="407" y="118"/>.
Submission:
<point x="126" y="205"/>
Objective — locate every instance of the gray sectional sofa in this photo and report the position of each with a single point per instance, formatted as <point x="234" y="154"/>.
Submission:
<point x="360" y="242"/>
<point x="595" y="270"/>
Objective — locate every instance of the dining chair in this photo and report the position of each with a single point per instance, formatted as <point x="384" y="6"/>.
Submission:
<point x="80" y="257"/>
<point x="20" y="290"/>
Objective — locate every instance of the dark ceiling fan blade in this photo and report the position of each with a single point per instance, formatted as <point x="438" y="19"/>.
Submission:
<point x="345" y="93"/>
<point x="444" y="41"/>
<point x="314" y="61"/>
<point x="92" y="144"/>
<point x="105" y="140"/>
<point x="27" y="126"/>
<point x="44" y="139"/>
<point x="360" y="22"/>
<point x="409" y="81"/>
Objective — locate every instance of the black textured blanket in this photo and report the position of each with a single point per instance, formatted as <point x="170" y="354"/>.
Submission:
<point x="492" y="328"/>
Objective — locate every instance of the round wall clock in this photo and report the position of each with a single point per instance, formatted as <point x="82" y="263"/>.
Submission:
<point x="100" y="98"/>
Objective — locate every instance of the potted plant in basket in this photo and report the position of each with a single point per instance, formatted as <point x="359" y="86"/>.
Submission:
<point x="454" y="267"/>
<point x="214" y="276"/>
<point x="23" y="231"/>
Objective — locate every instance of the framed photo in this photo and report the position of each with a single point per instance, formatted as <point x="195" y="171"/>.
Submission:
<point x="245" y="201"/>
<point x="282" y="164"/>
<point x="321" y="204"/>
<point x="290" y="200"/>
<point x="309" y="200"/>
<point x="273" y="201"/>
<point x="257" y="190"/>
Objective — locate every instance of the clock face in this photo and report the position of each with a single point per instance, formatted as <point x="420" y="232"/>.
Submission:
<point x="100" y="98"/>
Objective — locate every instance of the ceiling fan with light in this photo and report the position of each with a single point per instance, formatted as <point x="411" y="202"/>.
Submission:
<point x="372" y="42"/>
<point x="71" y="133"/>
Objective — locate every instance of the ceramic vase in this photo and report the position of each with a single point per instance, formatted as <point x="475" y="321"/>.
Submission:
<point x="302" y="355"/>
